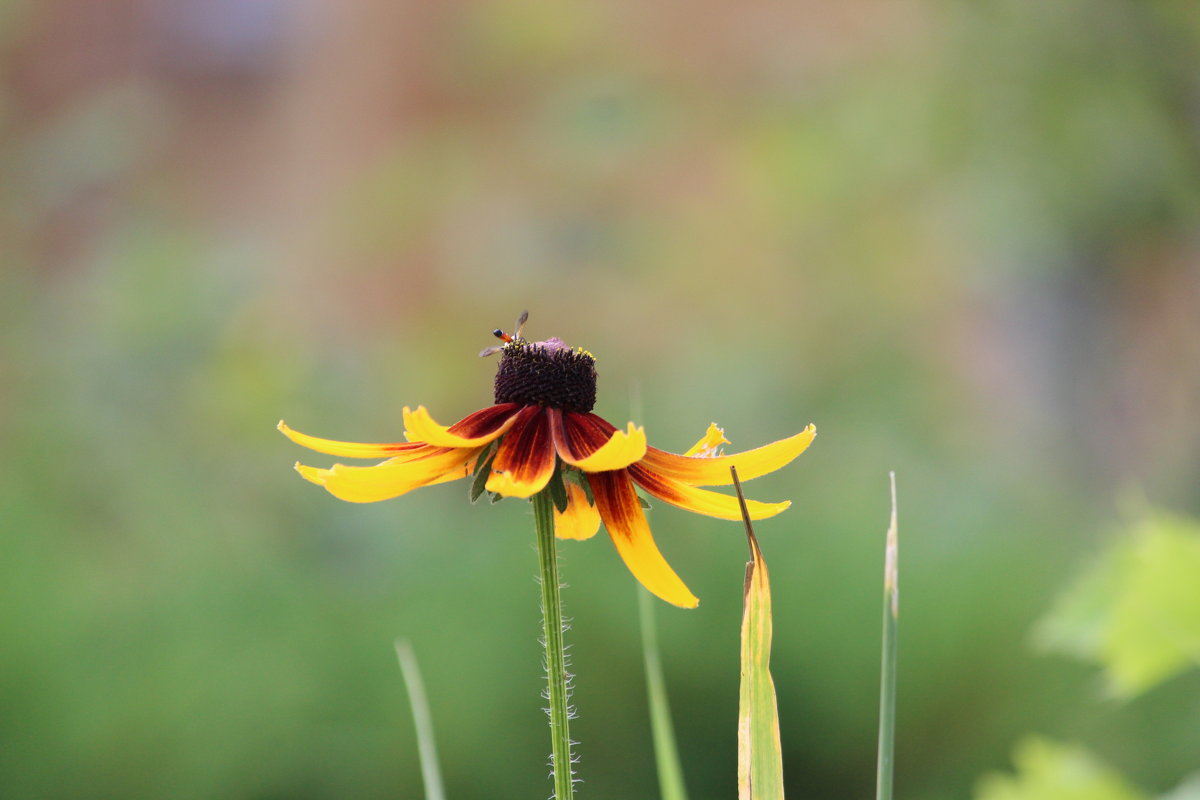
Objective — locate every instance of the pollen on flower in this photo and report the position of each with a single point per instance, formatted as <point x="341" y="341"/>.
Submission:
<point x="549" y="373"/>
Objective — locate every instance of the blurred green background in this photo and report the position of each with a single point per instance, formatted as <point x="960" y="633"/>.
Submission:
<point x="963" y="238"/>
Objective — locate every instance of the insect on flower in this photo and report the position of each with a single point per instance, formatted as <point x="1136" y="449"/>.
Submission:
<point x="541" y="435"/>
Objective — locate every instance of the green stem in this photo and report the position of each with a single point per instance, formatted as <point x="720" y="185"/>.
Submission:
<point x="556" y="662"/>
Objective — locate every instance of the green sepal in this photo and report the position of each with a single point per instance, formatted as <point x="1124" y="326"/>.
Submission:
<point x="485" y="458"/>
<point x="558" y="490"/>
<point x="644" y="503"/>
<point x="483" y="469"/>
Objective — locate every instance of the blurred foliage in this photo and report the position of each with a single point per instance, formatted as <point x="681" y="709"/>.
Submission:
<point x="1137" y="610"/>
<point x="1050" y="771"/>
<point x="1188" y="790"/>
<point x="961" y="237"/>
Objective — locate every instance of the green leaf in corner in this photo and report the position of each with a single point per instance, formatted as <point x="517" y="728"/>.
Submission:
<point x="1047" y="770"/>
<point x="1189" y="789"/>
<point x="1136" y="612"/>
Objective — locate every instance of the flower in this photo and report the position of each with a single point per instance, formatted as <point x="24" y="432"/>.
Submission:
<point x="540" y="435"/>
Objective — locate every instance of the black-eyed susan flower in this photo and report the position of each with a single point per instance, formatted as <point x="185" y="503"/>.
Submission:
<point x="540" y="435"/>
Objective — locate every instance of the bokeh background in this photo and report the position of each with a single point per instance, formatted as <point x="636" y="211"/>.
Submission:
<point x="963" y="238"/>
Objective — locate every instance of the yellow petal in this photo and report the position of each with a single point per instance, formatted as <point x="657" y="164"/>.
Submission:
<point x="709" y="444"/>
<point x="313" y="474"/>
<point x="702" y="501"/>
<point x="344" y="449"/>
<point x="393" y="477"/>
<point x="581" y="520"/>
<point x="622" y="449"/>
<point x="525" y="459"/>
<point x="627" y="527"/>
<point x="508" y="485"/>
<point x="474" y="430"/>
<point x="714" y="471"/>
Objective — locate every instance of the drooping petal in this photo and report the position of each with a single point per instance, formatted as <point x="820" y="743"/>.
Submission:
<point x="393" y="477"/>
<point x="473" y="430"/>
<point x="587" y="445"/>
<point x="701" y="501"/>
<point x="714" y="471"/>
<point x="581" y="520"/>
<point x="710" y="443"/>
<point x="525" y="459"/>
<point x="346" y="449"/>
<point x="622" y="514"/>
<point x="312" y="474"/>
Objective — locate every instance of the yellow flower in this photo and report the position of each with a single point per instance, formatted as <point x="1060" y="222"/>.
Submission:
<point x="541" y="432"/>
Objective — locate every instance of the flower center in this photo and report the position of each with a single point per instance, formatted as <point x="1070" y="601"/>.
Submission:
<point x="548" y="374"/>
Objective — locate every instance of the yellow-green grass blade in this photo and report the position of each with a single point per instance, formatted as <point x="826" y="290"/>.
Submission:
<point x="666" y="754"/>
<point x="887" y="682"/>
<point x="422" y="720"/>
<point x="760" y="754"/>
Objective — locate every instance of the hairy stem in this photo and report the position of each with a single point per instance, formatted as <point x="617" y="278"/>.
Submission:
<point x="556" y="662"/>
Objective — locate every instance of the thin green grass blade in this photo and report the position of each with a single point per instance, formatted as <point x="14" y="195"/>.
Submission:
<point x="760" y="754"/>
<point x="887" y="681"/>
<point x="422" y="720"/>
<point x="666" y="754"/>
